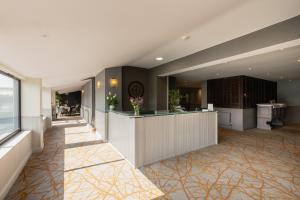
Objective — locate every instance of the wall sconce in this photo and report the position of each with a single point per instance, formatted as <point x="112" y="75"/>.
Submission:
<point x="82" y="91"/>
<point x="113" y="82"/>
<point x="98" y="84"/>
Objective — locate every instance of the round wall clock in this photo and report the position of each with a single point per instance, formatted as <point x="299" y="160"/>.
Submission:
<point x="136" y="89"/>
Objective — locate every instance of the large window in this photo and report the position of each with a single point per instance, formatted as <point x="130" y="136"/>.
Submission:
<point x="9" y="106"/>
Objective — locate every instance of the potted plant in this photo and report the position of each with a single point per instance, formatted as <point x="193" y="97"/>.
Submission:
<point x="174" y="100"/>
<point x="112" y="101"/>
<point x="136" y="103"/>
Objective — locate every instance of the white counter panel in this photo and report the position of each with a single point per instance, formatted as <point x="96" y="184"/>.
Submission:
<point x="187" y="129"/>
<point x="145" y="140"/>
<point x="121" y="131"/>
<point x="101" y="124"/>
<point x="157" y="136"/>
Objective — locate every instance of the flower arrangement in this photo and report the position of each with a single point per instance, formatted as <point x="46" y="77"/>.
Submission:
<point x="112" y="100"/>
<point x="136" y="103"/>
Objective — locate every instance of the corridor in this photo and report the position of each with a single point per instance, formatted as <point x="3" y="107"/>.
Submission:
<point x="75" y="164"/>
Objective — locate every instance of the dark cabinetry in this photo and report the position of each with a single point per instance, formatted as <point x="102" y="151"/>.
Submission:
<point x="240" y="92"/>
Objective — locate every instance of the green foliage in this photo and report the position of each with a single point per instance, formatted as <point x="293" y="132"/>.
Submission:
<point x="174" y="99"/>
<point x="58" y="98"/>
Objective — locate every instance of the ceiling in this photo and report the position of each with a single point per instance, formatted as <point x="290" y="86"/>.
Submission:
<point x="63" y="42"/>
<point x="274" y="66"/>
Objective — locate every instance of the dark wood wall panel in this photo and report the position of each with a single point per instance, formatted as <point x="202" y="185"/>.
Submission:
<point x="240" y="92"/>
<point x="258" y="91"/>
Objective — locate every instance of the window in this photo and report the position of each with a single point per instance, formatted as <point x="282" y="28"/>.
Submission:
<point x="9" y="106"/>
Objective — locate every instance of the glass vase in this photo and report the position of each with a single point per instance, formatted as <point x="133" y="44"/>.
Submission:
<point x="136" y="110"/>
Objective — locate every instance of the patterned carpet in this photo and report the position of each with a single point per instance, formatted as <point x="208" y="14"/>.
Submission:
<point x="75" y="164"/>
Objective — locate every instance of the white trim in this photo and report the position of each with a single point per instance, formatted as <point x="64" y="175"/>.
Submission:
<point x="14" y="177"/>
<point x="6" y="69"/>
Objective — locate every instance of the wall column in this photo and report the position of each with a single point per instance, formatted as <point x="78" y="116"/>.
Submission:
<point x="31" y="109"/>
<point x="46" y="106"/>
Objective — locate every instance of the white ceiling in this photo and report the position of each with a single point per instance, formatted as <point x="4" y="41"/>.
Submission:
<point x="64" y="41"/>
<point x="278" y="65"/>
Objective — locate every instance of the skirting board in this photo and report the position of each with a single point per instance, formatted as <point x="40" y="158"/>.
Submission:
<point x="14" y="177"/>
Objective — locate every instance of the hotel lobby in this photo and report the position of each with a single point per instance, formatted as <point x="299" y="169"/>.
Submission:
<point x="150" y="100"/>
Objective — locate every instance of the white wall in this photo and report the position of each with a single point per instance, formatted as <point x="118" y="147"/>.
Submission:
<point x="101" y="124"/>
<point x="31" y="119"/>
<point x="236" y="119"/>
<point x="31" y="97"/>
<point x="46" y="98"/>
<point x="31" y="91"/>
<point x="15" y="152"/>
<point x="46" y="107"/>
<point x="13" y="156"/>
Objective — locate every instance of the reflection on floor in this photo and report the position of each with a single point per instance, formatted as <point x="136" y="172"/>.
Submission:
<point x="251" y="165"/>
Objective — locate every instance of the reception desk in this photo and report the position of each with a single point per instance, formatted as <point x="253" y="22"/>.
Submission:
<point x="150" y="138"/>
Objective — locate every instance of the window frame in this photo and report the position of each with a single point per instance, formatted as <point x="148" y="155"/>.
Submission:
<point x="19" y="107"/>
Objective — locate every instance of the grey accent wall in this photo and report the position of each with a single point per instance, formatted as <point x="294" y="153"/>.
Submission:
<point x="88" y="101"/>
<point x="289" y="93"/>
<point x="162" y="93"/>
<point x="152" y="84"/>
<point x="100" y="93"/>
<point x="281" y="32"/>
<point x="249" y="118"/>
<point x="203" y="94"/>
<point x="114" y="72"/>
<point x="130" y="74"/>
<point x="86" y="95"/>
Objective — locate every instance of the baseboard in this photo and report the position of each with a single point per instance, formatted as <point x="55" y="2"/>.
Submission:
<point x="4" y="191"/>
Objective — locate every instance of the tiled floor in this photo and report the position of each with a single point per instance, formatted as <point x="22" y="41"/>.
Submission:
<point x="250" y="165"/>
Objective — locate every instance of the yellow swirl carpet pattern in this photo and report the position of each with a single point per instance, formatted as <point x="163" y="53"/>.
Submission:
<point x="75" y="164"/>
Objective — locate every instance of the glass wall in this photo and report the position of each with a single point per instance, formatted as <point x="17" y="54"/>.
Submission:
<point x="9" y="106"/>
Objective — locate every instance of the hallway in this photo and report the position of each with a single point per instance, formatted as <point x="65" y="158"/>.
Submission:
<point x="253" y="164"/>
<point x="76" y="165"/>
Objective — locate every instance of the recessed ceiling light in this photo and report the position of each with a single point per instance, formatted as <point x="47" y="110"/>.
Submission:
<point x="250" y="68"/>
<point x="185" y="37"/>
<point x="159" y="58"/>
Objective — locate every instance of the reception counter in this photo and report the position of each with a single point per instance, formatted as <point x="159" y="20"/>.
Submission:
<point x="153" y="137"/>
